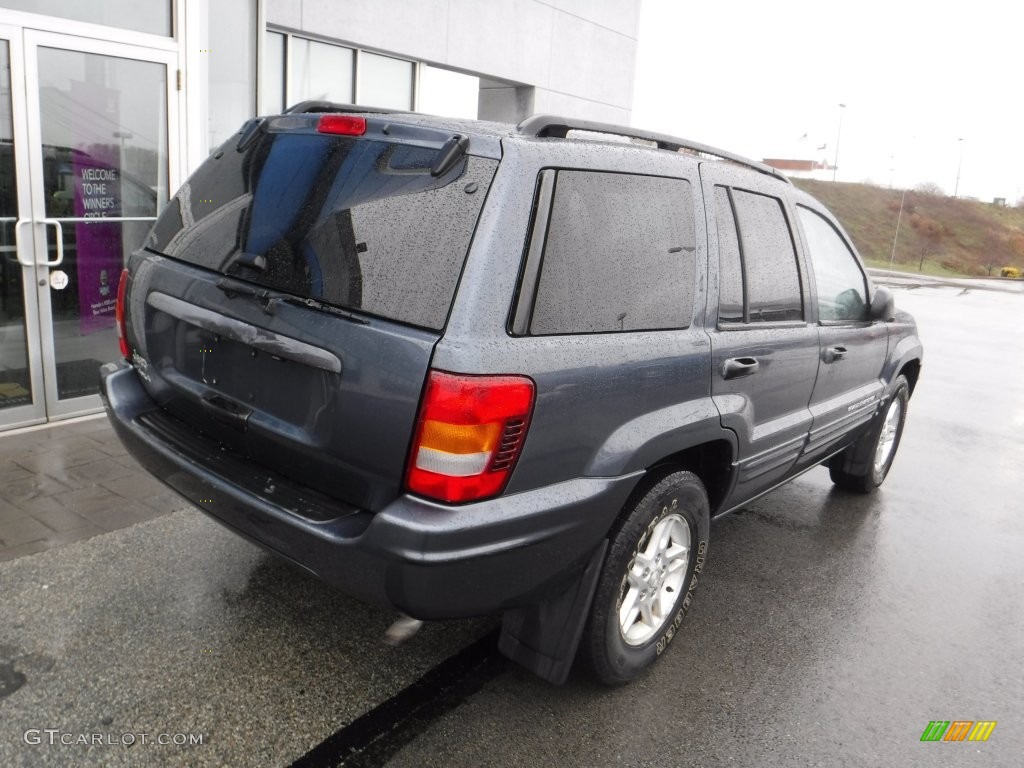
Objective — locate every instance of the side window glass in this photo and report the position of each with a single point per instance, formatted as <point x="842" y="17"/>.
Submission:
<point x="842" y="290"/>
<point x="619" y="255"/>
<point x="772" y="278"/>
<point x="730" y="269"/>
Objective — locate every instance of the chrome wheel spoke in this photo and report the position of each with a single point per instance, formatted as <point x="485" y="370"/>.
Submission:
<point x="646" y="616"/>
<point x="676" y="552"/>
<point x="630" y="609"/>
<point x="664" y="603"/>
<point x="677" y="566"/>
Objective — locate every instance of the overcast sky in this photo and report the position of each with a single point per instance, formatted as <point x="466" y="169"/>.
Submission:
<point x="755" y="77"/>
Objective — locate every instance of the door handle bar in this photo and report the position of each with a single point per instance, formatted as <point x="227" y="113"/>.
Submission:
<point x="17" y="242"/>
<point x="60" y="242"/>
<point x="45" y="222"/>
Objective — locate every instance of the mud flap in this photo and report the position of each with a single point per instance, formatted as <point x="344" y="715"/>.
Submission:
<point x="544" y="637"/>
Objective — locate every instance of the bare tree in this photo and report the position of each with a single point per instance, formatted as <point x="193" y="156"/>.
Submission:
<point x="930" y="188"/>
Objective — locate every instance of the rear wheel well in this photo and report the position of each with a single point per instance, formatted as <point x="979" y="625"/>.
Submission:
<point x="911" y="369"/>
<point x="711" y="462"/>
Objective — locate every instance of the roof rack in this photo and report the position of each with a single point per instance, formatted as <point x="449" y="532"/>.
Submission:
<point x="315" y="106"/>
<point x="552" y="126"/>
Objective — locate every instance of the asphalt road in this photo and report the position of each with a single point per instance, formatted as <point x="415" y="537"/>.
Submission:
<point x="830" y="628"/>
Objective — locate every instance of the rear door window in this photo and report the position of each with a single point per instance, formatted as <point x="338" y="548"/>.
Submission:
<point x="758" y="273"/>
<point x="357" y="223"/>
<point x="730" y="264"/>
<point x="618" y="256"/>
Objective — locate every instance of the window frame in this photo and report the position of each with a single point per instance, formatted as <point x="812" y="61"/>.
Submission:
<point x="521" y="310"/>
<point x="795" y="236"/>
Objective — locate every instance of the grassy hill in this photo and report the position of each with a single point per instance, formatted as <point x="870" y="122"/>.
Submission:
<point x="938" y="235"/>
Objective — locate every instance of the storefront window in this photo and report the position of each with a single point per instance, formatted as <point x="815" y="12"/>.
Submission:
<point x="319" y="71"/>
<point x="152" y="16"/>
<point x="297" y="69"/>
<point x="452" y="94"/>
<point x="229" y="61"/>
<point x="385" y="82"/>
<point x="273" y="74"/>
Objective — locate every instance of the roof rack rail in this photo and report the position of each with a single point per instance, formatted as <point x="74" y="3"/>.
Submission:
<point x="552" y="126"/>
<point x="314" y="106"/>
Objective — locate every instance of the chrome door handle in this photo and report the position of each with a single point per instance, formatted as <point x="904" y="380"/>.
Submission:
<point x="60" y="242"/>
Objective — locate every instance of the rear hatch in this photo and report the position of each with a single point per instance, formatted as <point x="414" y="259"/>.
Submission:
<point x="287" y="302"/>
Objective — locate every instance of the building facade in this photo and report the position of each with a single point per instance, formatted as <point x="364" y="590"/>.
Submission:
<point x="107" y="106"/>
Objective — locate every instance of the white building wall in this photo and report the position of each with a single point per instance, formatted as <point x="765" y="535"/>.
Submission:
<point x="571" y="57"/>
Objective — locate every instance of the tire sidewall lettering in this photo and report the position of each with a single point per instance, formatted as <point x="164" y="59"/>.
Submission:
<point x="673" y="626"/>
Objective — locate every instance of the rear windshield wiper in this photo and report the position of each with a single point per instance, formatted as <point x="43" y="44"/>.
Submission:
<point x="269" y="300"/>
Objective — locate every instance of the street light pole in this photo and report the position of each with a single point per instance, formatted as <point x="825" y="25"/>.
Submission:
<point x="899" y="218"/>
<point x="839" y="135"/>
<point x="959" y="165"/>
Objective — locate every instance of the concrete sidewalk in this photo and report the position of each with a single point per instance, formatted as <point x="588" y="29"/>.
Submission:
<point x="68" y="481"/>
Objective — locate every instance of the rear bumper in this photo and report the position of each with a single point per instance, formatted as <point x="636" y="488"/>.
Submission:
<point x="429" y="560"/>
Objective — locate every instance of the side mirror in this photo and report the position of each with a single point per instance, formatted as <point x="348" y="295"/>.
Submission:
<point x="883" y="305"/>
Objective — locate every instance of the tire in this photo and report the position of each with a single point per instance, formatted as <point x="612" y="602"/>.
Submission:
<point x="863" y="466"/>
<point x="627" y="632"/>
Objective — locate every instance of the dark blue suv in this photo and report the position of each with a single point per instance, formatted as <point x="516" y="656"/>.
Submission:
<point x="461" y="368"/>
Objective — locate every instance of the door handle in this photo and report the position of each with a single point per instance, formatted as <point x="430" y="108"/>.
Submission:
<point x="45" y="222"/>
<point x="17" y="242"/>
<point x="834" y="353"/>
<point x="60" y="242"/>
<point x="738" y="367"/>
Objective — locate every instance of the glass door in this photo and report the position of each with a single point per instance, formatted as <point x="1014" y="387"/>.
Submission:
<point x="22" y="400"/>
<point x="99" y="128"/>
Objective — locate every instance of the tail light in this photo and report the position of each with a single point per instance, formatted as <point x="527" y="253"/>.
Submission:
<point x="119" y="316"/>
<point x="469" y="435"/>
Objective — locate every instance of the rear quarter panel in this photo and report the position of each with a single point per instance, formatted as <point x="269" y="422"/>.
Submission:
<point x="607" y="404"/>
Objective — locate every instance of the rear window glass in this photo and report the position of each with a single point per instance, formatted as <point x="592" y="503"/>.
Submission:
<point x="619" y="255"/>
<point x="359" y="224"/>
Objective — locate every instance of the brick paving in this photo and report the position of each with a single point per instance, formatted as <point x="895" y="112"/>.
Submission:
<point x="70" y="481"/>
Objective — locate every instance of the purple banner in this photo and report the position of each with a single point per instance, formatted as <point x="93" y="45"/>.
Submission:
<point x="96" y="169"/>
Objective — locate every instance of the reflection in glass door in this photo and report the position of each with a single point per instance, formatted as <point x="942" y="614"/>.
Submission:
<point x="98" y="125"/>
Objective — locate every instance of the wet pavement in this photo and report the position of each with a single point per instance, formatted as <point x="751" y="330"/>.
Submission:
<point x="178" y="628"/>
<point x="70" y="481"/>
<point x="829" y="630"/>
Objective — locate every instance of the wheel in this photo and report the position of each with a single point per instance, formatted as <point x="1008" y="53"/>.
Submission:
<point x="863" y="466"/>
<point x="647" y="581"/>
